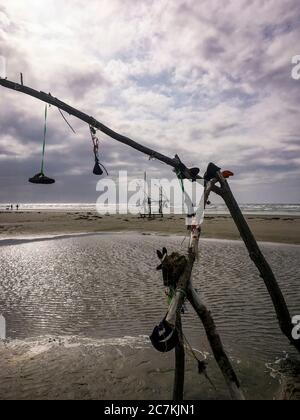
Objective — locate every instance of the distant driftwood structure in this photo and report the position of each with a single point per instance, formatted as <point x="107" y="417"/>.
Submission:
<point x="184" y="288"/>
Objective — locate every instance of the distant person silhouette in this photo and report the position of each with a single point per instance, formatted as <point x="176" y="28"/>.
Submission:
<point x="17" y="206"/>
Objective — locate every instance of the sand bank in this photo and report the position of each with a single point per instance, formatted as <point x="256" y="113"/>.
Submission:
<point x="282" y="229"/>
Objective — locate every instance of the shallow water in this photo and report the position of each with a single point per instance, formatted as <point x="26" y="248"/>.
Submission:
<point x="106" y="286"/>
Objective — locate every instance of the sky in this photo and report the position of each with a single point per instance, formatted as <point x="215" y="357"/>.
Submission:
<point x="208" y="80"/>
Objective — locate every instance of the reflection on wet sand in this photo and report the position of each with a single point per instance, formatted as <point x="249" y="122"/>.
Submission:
<point x="92" y="291"/>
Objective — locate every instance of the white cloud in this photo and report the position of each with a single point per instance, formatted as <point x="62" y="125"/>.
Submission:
<point x="209" y="79"/>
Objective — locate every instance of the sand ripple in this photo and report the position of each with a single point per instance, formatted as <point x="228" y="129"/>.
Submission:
<point x="106" y="287"/>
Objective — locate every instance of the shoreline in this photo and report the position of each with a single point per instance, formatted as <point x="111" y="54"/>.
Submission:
<point x="20" y="240"/>
<point x="26" y="224"/>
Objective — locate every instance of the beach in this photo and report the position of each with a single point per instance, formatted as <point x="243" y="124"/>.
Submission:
<point x="80" y="295"/>
<point x="149" y="202"/>
<point x="266" y="228"/>
<point x="80" y="309"/>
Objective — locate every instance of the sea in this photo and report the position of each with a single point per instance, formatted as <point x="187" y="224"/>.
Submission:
<point x="257" y="208"/>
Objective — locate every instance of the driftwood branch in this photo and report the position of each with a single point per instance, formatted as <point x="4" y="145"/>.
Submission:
<point x="181" y="291"/>
<point x="261" y="263"/>
<point x="216" y="345"/>
<point x="184" y="289"/>
<point x="183" y="283"/>
<point x="246" y="234"/>
<point x="49" y="99"/>
<point x="179" y="364"/>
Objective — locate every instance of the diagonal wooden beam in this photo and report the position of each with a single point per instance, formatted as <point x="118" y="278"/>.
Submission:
<point x="264" y="268"/>
<point x="49" y="99"/>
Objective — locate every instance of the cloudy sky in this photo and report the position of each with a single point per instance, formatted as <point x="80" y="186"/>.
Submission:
<point x="209" y="80"/>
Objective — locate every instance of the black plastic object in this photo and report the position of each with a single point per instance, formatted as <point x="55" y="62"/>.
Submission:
<point x="194" y="172"/>
<point x="184" y="172"/>
<point x="40" y="178"/>
<point x="211" y="172"/>
<point x="164" y="337"/>
<point x="97" y="168"/>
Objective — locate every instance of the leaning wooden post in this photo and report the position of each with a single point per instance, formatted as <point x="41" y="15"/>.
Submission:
<point x="174" y="318"/>
<point x="184" y="289"/>
<point x="259" y="260"/>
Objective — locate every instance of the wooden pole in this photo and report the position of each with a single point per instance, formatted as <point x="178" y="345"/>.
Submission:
<point x="160" y="205"/>
<point x="181" y="291"/>
<point x="266" y="273"/>
<point x="49" y="99"/>
<point x="184" y="289"/>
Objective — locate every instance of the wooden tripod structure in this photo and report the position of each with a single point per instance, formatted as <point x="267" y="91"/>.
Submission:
<point x="148" y="211"/>
<point x="184" y="287"/>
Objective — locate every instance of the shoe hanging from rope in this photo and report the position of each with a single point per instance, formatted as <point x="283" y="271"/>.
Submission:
<point x="41" y="178"/>
<point x="164" y="337"/>
<point x="98" y="167"/>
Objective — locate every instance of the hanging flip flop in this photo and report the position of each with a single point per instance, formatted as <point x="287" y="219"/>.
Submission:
<point x="164" y="337"/>
<point x="41" y="178"/>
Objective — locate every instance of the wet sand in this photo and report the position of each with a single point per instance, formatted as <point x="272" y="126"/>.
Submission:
<point x="281" y="229"/>
<point x="76" y="368"/>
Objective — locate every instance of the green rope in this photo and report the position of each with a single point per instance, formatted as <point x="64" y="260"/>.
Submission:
<point x="180" y="290"/>
<point x="171" y="295"/>
<point x="44" y="142"/>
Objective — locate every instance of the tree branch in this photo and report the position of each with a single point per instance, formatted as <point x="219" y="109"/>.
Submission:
<point x="216" y="345"/>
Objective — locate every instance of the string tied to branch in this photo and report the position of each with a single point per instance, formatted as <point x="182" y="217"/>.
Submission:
<point x="98" y="168"/>
<point x="40" y="178"/>
<point x="202" y="364"/>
